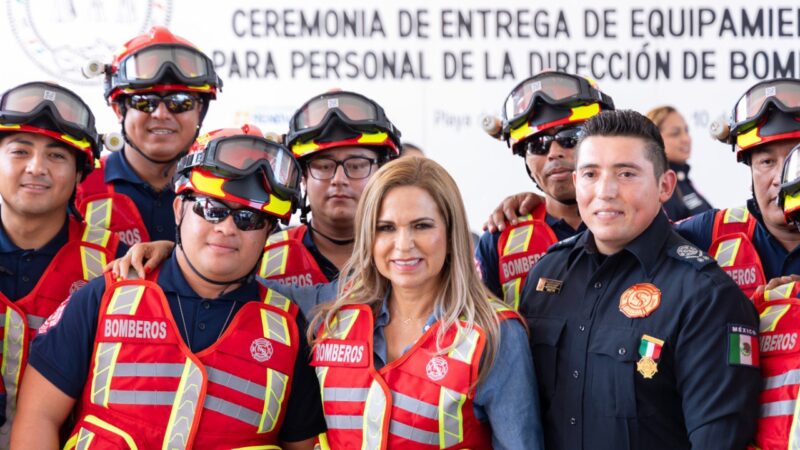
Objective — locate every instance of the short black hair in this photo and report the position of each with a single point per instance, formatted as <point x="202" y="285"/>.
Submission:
<point x="629" y="123"/>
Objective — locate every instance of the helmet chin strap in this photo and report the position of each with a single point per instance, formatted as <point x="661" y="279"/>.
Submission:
<point x="333" y="240"/>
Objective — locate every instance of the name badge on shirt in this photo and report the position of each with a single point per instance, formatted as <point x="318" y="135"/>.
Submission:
<point x="549" y="285"/>
<point x="340" y="353"/>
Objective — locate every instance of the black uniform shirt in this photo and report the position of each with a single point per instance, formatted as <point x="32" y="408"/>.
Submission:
<point x="704" y="394"/>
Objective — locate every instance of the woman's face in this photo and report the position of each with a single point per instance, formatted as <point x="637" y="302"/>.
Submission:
<point x="410" y="240"/>
<point x="677" y="142"/>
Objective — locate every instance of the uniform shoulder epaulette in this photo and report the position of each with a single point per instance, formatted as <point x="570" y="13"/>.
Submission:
<point x="566" y="243"/>
<point x="691" y="254"/>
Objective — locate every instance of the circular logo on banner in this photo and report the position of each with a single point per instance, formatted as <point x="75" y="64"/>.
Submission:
<point x="261" y="349"/>
<point x="436" y="368"/>
<point x="61" y="36"/>
<point x="640" y="300"/>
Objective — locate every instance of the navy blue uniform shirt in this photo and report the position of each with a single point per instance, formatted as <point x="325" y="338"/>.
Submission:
<point x="486" y="253"/>
<point x="154" y="206"/>
<point x="685" y="200"/>
<point x="777" y="261"/>
<point x="330" y="271"/>
<point x="63" y="353"/>
<point x="20" y="269"/>
<point x="587" y="352"/>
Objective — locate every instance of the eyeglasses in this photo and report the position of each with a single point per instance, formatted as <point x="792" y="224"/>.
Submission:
<point x="177" y="102"/>
<point x="214" y="211"/>
<point x="540" y="145"/>
<point x="355" y="167"/>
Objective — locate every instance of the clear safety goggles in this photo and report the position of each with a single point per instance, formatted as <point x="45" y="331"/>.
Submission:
<point x="152" y="64"/>
<point x="26" y="102"/>
<point x="352" y="108"/>
<point x="240" y="156"/>
<point x="554" y="88"/>
<point x="783" y="94"/>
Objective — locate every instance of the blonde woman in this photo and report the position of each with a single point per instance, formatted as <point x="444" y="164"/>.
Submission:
<point x="413" y="353"/>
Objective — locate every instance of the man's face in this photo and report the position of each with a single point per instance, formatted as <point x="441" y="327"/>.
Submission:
<point x="766" y="164"/>
<point x="553" y="171"/>
<point x="37" y="174"/>
<point x="219" y="251"/>
<point x="335" y="200"/>
<point x="161" y="134"/>
<point x="617" y="191"/>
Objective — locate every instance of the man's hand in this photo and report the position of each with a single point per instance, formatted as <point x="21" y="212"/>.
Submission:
<point x="511" y="209"/>
<point x="142" y="257"/>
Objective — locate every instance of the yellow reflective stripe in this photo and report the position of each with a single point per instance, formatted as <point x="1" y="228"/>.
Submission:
<point x="736" y="215"/>
<point x="451" y="418"/>
<point x="374" y="412"/>
<point x="278" y="237"/>
<point x="275" y="392"/>
<point x="794" y="432"/>
<point x="749" y="138"/>
<point x="13" y="340"/>
<point x="92" y="262"/>
<point x="277" y="206"/>
<point x="84" y="439"/>
<point x="276" y="300"/>
<point x="771" y="316"/>
<point x="274" y="261"/>
<point x="323" y="442"/>
<point x="779" y="293"/>
<point x="499" y="307"/>
<point x="522" y="131"/>
<point x="519" y="239"/>
<point x="584" y="112"/>
<point x="322" y="373"/>
<point x="125" y="299"/>
<point x="466" y="345"/>
<point x="275" y="327"/>
<point x="726" y="252"/>
<point x="791" y="202"/>
<point x="373" y="138"/>
<point x="98" y="213"/>
<point x="512" y="291"/>
<point x="343" y="322"/>
<point x="302" y="148"/>
<point x="258" y="447"/>
<point x="207" y="185"/>
<point x="80" y="143"/>
<point x="104" y="362"/>
<point x="184" y="408"/>
<point x="111" y="428"/>
<point x="97" y="236"/>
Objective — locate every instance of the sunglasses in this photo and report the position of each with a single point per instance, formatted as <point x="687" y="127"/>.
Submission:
<point x="214" y="211"/>
<point x="177" y="102"/>
<point x="540" y="145"/>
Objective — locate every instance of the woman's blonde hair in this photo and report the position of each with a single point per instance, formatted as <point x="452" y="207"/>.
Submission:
<point x="462" y="294"/>
<point x="659" y="115"/>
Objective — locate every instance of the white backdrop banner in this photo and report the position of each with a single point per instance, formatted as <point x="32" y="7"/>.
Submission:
<point x="436" y="67"/>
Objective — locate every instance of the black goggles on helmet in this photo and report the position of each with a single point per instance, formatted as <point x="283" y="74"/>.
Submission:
<point x="152" y="65"/>
<point x="68" y="113"/>
<point x="552" y="88"/>
<point x="783" y="94"/>
<point x="239" y="156"/>
<point x="351" y="108"/>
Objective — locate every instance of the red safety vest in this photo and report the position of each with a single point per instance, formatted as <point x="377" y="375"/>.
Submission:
<point x="103" y="207"/>
<point x="419" y="401"/>
<point x="80" y="260"/>
<point x="779" y="345"/>
<point x="288" y="261"/>
<point x="732" y="247"/>
<point x="519" y="248"/>
<point x="146" y="389"/>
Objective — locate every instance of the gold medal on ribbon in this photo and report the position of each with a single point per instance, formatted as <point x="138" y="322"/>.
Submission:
<point x="647" y="367"/>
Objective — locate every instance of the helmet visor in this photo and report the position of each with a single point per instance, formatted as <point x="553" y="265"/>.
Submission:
<point x="354" y="107"/>
<point x="149" y="64"/>
<point x="785" y="94"/>
<point x="243" y="154"/>
<point x="554" y="87"/>
<point x="28" y="100"/>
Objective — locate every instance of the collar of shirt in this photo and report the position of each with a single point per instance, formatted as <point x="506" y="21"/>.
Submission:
<point x="559" y="225"/>
<point x="51" y="248"/>
<point x="171" y="280"/>
<point x="117" y="168"/>
<point x="646" y="247"/>
<point x="379" y="338"/>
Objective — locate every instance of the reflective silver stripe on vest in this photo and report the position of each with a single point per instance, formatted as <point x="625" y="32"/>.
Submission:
<point x="780" y="292"/>
<point x="451" y="421"/>
<point x="97" y="236"/>
<point x="12" y="360"/>
<point x="274" y="298"/>
<point x="726" y="252"/>
<point x="141" y="397"/>
<point x="239" y="384"/>
<point x="336" y="394"/>
<point x="518" y="239"/>
<point x="769" y="316"/>
<point x="126" y="297"/>
<point x="97" y="213"/>
<point x="184" y="408"/>
<point x="412" y="434"/>
<point x="93" y="262"/>
<point x="466" y="347"/>
<point x="339" y="422"/>
<point x="344" y="321"/>
<point x="736" y="215"/>
<point x="415" y="406"/>
<point x="276" y="390"/>
<point x="84" y="439"/>
<point x="787" y="378"/>
<point x="781" y="408"/>
<point x="148" y="370"/>
<point x="275" y="327"/>
<point x="278" y="237"/>
<point x="374" y="412"/>
<point x="510" y="294"/>
<point x="104" y="363"/>
<point x="232" y="410"/>
<point x="274" y="261"/>
<point x="34" y="322"/>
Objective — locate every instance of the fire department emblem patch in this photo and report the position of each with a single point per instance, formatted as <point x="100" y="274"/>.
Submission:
<point x="436" y="368"/>
<point x="261" y="349"/>
<point x="640" y="300"/>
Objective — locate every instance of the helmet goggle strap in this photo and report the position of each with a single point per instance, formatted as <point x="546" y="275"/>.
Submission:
<point x="241" y="156"/>
<point x="158" y="64"/>
<point x="550" y="88"/>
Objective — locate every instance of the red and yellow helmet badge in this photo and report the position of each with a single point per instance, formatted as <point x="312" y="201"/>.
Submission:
<point x="577" y="114"/>
<point x="205" y="182"/>
<point x="379" y="139"/>
<point x="79" y="145"/>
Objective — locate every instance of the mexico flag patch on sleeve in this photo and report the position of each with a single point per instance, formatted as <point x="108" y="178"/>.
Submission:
<point x="742" y="345"/>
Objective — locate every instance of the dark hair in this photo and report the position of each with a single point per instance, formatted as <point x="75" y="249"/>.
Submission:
<point x="629" y="123"/>
<point x="409" y="146"/>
